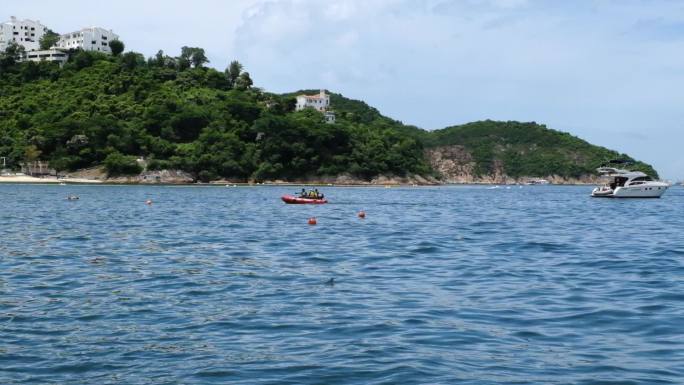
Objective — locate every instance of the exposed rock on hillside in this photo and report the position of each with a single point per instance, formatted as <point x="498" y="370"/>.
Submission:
<point x="455" y="164"/>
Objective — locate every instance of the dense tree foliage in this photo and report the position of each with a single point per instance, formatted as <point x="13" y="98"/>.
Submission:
<point x="527" y="149"/>
<point x="177" y="114"/>
<point x="194" y="56"/>
<point x="9" y="57"/>
<point x="119" y="164"/>
<point x="117" y="47"/>
<point x="49" y="39"/>
<point x="520" y="149"/>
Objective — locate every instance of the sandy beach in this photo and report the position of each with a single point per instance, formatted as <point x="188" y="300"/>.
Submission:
<point x="31" y="179"/>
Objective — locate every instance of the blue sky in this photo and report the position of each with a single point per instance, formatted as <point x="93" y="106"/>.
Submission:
<point x="610" y="72"/>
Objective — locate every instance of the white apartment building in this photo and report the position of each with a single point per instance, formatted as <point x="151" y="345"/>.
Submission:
<point x="26" y="33"/>
<point x="320" y="102"/>
<point x="88" y="39"/>
<point x="51" y="55"/>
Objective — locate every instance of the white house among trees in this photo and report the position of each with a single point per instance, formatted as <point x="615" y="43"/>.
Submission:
<point x="320" y="102"/>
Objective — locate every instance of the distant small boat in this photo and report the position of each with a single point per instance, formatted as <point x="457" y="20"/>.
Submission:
<point x="536" y="181"/>
<point x="289" y="199"/>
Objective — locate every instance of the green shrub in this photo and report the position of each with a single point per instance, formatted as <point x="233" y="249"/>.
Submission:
<point x="119" y="164"/>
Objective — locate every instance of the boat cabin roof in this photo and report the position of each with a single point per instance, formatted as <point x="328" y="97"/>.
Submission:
<point x="617" y="172"/>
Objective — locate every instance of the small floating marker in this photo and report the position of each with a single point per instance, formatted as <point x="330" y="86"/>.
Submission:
<point x="362" y="214"/>
<point x="148" y="202"/>
<point x="312" y="221"/>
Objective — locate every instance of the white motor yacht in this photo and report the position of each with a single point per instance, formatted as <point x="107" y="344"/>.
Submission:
<point x="628" y="184"/>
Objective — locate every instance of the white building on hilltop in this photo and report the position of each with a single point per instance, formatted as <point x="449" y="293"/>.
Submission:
<point x="88" y="39"/>
<point x="26" y="33"/>
<point x="320" y="102"/>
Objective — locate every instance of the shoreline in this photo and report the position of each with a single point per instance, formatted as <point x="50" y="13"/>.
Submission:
<point x="75" y="181"/>
<point x="96" y="175"/>
<point x="26" y="179"/>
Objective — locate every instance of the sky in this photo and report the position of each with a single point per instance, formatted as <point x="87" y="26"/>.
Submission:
<point x="610" y="72"/>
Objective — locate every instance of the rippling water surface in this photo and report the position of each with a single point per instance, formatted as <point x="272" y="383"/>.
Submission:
<point x="467" y="284"/>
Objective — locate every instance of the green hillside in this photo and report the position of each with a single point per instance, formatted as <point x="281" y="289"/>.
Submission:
<point x="527" y="149"/>
<point x="179" y="114"/>
<point x="524" y="149"/>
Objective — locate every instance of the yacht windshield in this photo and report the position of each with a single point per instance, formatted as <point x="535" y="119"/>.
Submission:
<point x="619" y="181"/>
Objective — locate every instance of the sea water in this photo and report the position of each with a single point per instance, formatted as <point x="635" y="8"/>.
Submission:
<point x="437" y="285"/>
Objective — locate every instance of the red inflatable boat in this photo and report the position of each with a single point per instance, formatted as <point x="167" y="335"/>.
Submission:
<point x="297" y="200"/>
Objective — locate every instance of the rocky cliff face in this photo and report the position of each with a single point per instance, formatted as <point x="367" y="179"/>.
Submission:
<point x="455" y="164"/>
<point x="146" y="177"/>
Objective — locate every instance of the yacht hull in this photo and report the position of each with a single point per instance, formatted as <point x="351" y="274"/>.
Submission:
<point x="653" y="191"/>
<point x="650" y="191"/>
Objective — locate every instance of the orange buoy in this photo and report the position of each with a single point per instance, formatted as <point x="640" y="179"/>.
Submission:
<point x="362" y="214"/>
<point x="312" y="221"/>
<point x="148" y="202"/>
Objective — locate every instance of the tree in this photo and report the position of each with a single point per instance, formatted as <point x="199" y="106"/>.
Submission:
<point x="9" y="57"/>
<point x="199" y="58"/>
<point x="49" y="39"/>
<point x="194" y="56"/>
<point x="117" y="46"/>
<point x="32" y="153"/>
<point x="82" y="59"/>
<point x="182" y="63"/>
<point x="119" y="164"/>
<point x="158" y="59"/>
<point x="131" y="60"/>
<point x="243" y="82"/>
<point x="233" y="71"/>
